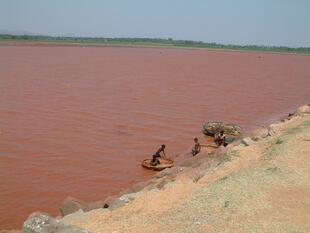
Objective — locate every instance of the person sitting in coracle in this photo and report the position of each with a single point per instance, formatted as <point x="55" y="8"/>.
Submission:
<point x="155" y="160"/>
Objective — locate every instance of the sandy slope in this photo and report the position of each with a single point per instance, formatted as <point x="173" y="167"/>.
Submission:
<point x="264" y="187"/>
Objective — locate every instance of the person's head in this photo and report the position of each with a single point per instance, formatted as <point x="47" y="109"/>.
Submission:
<point x="163" y="146"/>
<point x="195" y="139"/>
<point x="222" y="132"/>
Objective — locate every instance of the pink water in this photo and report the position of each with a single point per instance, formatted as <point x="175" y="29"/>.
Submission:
<point x="78" y="120"/>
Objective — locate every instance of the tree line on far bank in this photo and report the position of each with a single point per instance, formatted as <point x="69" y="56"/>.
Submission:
<point x="151" y="41"/>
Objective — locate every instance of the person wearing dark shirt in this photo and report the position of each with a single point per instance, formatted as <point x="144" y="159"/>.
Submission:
<point x="155" y="161"/>
<point x="197" y="147"/>
<point x="220" y="139"/>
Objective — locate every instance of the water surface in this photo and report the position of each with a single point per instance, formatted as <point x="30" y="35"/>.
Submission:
<point x="78" y="120"/>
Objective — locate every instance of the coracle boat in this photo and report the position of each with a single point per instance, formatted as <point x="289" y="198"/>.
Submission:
<point x="213" y="127"/>
<point x="164" y="163"/>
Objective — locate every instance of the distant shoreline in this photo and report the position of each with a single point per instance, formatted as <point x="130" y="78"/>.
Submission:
<point x="52" y="43"/>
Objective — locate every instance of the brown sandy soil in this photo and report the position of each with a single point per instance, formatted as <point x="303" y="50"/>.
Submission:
<point x="264" y="187"/>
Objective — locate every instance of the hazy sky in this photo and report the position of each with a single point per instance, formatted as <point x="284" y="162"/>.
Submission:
<point x="263" y="22"/>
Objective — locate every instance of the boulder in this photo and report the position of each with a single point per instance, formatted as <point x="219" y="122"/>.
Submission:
<point x="260" y="133"/>
<point x="110" y="200"/>
<point x="36" y="221"/>
<point x="247" y="141"/>
<point x="138" y="186"/>
<point x="117" y="204"/>
<point x="197" y="174"/>
<point x="161" y="184"/>
<point x="165" y="172"/>
<point x="290" y="116"/>
<point x="271" y="131"/>
<point x="304" y="109"/>
<point x="44" y="223"/>
<point x="123" y="200"/>
<point x="152" y="184"/>
<point x="129" y="197"/>
<point x="68" y="219"/>
<point x="71" y="205"/>
<point x="96" y="205"/>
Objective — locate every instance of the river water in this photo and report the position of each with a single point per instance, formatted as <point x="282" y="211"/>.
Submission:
<point x="78" y="120"/>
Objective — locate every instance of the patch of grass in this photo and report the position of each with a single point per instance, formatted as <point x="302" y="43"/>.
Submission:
<point x="278" y="147"/>
<point x="300" y="128"/>
<point x="279" y="141"/>
<point x="272" y="169"/>
<point x="233" y="153"/>
<point x="229" y="155"/>
<point x="226" y="204"/>
<point x="224" y="178"/>
<point x="273" y="151"/>
<point x="226" y="158"/>
<point x="198" y="174"/>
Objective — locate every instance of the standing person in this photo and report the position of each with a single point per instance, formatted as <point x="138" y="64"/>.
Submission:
<point x="197" y="147"/>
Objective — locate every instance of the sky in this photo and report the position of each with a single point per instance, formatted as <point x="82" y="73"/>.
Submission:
<point x="259" y="22"/>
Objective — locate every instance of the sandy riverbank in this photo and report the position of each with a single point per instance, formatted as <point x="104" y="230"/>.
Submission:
<point x="260" y="185"/>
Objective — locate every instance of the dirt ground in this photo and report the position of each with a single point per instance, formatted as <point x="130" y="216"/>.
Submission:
<point x="263" y="187"/>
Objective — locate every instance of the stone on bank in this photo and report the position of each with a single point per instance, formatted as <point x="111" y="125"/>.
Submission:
<point x="44" y="223"/>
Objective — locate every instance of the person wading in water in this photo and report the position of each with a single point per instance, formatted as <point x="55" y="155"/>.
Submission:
<point x="155" y="161"/>
<point x="197" y="147"/>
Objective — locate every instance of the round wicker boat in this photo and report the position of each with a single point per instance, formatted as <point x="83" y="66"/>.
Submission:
<point x="213" y="127"/>
<point x="164" y="163"/>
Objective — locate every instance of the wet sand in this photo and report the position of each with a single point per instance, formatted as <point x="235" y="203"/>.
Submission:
<point x="78" y="120"/>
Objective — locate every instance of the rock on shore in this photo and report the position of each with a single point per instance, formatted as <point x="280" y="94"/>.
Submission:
<point x="44" y="223"/>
